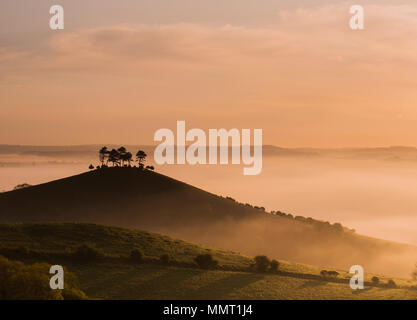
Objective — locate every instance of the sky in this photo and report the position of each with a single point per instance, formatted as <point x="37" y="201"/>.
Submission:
<point x="120" y="70"/>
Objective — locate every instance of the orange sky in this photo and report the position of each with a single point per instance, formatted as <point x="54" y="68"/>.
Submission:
<point x="297" y="72"/>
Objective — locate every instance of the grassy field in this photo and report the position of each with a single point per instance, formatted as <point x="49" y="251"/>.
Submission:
<point x="121" y="281"/>
<point x="113" y="241"/>
<point x="116" y="277"/>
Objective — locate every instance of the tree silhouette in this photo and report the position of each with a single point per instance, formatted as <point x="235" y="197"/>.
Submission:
<point x="91" y="167"/>
<point x="122" y="154"/>
<point x="128" y="157"/>
<point x="121" y="157"/>
<point x="141" y="157"/>
<point x="102" y="154"/>
<point x="114" y="157"/>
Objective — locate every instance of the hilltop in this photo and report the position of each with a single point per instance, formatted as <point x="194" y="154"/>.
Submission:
<point x="129" y="197"/>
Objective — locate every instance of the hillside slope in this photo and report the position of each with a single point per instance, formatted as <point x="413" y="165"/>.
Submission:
<point x="130" y="197"/>
<point x="115" y="276"/>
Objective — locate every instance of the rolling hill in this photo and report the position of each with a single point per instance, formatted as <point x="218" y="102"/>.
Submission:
<point x="129" y="197"/>
<point x="116" y="276"/>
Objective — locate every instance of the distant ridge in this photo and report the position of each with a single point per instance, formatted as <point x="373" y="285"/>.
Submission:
<point x="91" y="151"/>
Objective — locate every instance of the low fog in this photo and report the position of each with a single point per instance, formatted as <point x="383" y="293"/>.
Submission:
<point x="287" y="241"/>
<point x="375" y="197"/>
<point x="374" y="193"/>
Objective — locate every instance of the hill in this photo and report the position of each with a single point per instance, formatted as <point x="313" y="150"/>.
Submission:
<point x="115" y="276"/>
<point x="129" y="197"/>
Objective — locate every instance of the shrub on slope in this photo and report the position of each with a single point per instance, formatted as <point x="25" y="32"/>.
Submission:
<point x="20" y="281"/>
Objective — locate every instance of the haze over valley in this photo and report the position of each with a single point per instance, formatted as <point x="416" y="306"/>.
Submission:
<point x="372" y="190"/>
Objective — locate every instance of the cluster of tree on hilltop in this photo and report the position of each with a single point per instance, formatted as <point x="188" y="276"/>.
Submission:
<point x="121" y="158"/>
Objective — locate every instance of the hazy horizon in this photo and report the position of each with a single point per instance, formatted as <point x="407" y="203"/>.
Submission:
<point x="373" y="193"/>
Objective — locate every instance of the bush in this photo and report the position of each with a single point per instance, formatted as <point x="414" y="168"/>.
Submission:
<point x="325" y="273"/>
<point x="274" y="265"/>
<point x="414" y="273"/>
<point x="206" y="261"/>
<point x="164" y="259"/>
<point x="375" y="280"/>
<point x="87" y="252"/>
<point x="72" y="288"/>
<point x="136" y="255"/>
<point x="261" y="263"/>
<point x="22" y="186"/>
<point x="338" y="227"/>
<point x="20" y="281"/>
<point x="332" y="273"/>
<point x="391" y="284"/>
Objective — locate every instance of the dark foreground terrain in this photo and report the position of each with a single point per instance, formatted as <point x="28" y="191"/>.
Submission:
<point x="109" y="271"/>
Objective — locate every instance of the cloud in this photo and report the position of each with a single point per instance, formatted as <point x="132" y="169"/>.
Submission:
<point x="308" y="69"/>
<point x="301" y="37"/>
